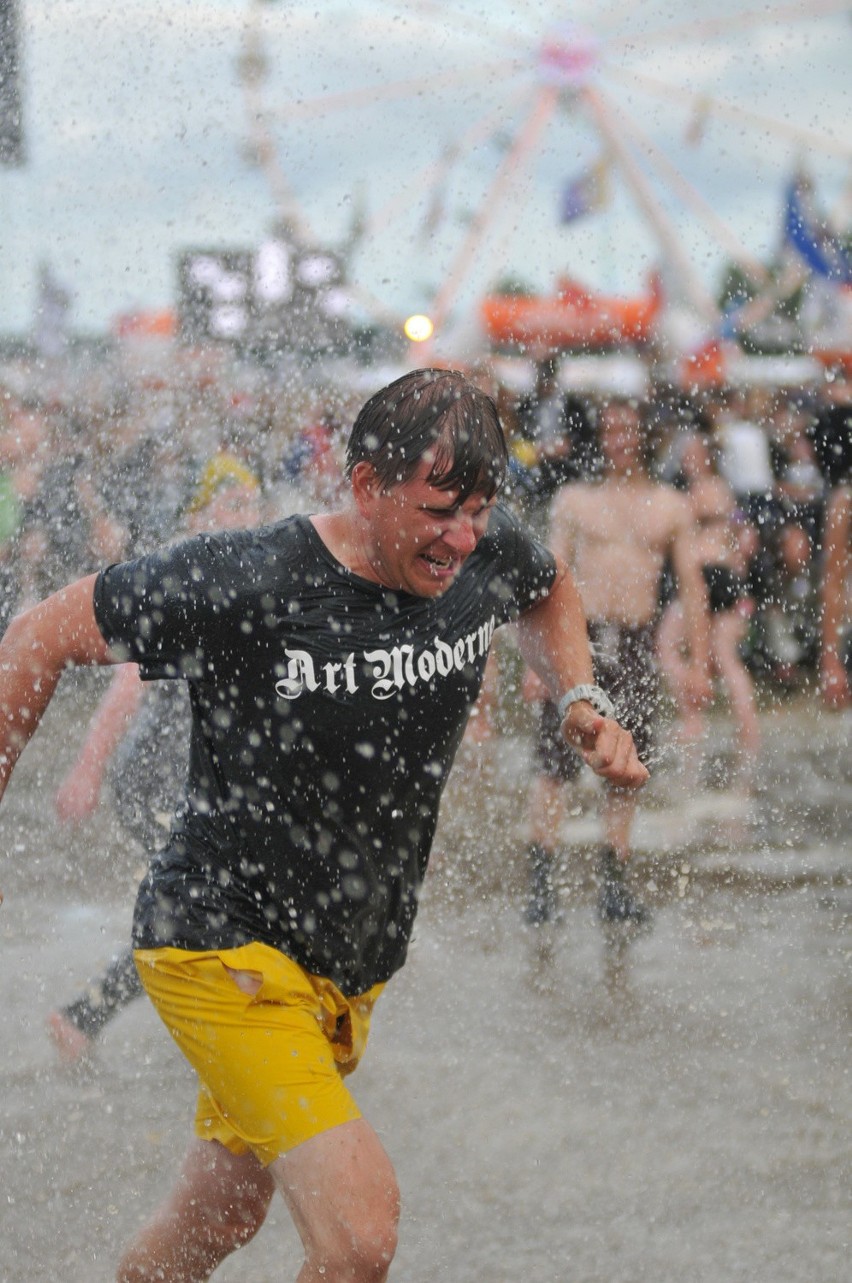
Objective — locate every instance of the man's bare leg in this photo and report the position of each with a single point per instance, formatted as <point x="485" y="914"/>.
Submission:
<point x="618" y="812"/>
<point x="615" y="901"/>
<point x="728" y="632"/>
<point x="218" y="1204"/>
<point x="342" y="1193"/>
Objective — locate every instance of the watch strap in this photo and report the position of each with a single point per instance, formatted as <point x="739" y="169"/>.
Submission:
<point x="598" y="699"/>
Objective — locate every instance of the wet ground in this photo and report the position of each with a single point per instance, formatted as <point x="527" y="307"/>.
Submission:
<point x="559" y="1108"/>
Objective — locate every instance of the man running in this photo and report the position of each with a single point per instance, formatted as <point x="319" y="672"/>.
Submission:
<point x="331" y="663"/>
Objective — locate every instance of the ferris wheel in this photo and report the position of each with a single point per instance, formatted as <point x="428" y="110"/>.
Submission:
<point x="439" y="154"/>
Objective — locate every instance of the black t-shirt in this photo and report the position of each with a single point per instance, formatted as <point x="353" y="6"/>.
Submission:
<point x="326" y="712"/>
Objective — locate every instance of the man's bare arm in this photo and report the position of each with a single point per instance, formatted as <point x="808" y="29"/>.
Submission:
<point x="58" y="633"/>
<point x="554" y="642"/>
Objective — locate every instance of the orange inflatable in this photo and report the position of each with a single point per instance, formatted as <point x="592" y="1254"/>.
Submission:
<point x="574" y="317"/>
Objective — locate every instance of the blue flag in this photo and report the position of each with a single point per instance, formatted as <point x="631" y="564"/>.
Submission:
<point x="585" y="193"/>
<point x="809" y="235"/>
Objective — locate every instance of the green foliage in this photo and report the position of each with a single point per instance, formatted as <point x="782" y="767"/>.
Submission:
<point x="513" y="287"/>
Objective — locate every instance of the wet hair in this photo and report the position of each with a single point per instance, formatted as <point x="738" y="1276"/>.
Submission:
<point x="432" y="410"/>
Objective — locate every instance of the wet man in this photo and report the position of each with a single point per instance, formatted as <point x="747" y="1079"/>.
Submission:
<point x="832" y="437"/>
<point x="331" y="663"/>
<point x="616" y="534"/>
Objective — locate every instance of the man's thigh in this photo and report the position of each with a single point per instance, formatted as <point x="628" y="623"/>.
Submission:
<point x="341" y="1190"/>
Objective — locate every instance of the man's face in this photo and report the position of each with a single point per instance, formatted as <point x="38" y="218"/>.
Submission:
<point x="418" y="537"/>
<point x="621" y="439"/>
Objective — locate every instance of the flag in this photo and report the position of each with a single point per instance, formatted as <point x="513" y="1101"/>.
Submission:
<point x="697" y="125"/>
<point x="809" y="235"/>
<point x="586" y="192"/>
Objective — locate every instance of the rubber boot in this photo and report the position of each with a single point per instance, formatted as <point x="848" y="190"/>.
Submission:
<point x="615" y="902"/>
<point x="542" y="902"/>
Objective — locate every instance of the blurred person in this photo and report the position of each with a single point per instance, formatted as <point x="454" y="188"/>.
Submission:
<point x="22" y="441"/>
<point x="148" y="473"/>
<point x="740" y="428"/>
<point x="790" y="615"/>
<point x="555" y="443"/>
<point x="835" y="644"/>
<point x="832" y="437"/>
<point x="798" y="478"/>
<point x="740" y="422"/>
<point x="616" y="534"/>
<point x="312" y="462"/>
<point x="745" y="460"/>
<point x="138" y="740"/>
<point x="69" y="517"/>
<point x="724" y="545"/>
<point x="284" y="901"/>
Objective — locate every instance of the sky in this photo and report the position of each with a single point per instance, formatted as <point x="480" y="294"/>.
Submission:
<point x="138" y="141"/>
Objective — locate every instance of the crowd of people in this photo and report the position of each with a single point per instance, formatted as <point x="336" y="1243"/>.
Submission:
<point x="104" y="475"/>
<point x="778" y="452"/>
<point x="640" y="543"/>
<point x="710" y="543"/>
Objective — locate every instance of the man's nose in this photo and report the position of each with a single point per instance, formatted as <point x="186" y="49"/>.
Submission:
<point x="459" y="533"/>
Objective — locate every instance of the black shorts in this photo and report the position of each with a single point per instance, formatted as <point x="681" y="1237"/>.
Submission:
<point x="626" y="668"/>
<point x="724" y="587"/>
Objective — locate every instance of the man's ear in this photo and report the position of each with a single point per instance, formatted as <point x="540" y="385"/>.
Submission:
<point x="365" y="486"/>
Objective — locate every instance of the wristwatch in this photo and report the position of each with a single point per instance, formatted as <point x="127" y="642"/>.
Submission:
<point x="593" y="695"/>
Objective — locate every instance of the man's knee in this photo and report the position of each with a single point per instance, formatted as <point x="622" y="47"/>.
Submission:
<point x="364" y="1253"/>
<point x="361" y="1246"/>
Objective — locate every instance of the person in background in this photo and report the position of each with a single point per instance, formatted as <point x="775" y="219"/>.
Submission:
<point x="832" y="438"/>
<point x="23" y="436"/>
<point x="724" y="544"/>
<point x="555" y="440"/>
<point x="616" y="534"/>
<point x="835" y="646"/>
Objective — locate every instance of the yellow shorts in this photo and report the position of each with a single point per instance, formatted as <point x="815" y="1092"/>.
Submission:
<point x="270" y="1063"/>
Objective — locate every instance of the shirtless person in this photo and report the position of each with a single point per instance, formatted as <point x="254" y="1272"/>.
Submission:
<point x="834" y="599"/>
<point x="616" y="534"/>
<point x="725" y="544"/>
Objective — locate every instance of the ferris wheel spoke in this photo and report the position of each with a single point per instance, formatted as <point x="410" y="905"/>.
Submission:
<point x="709" y="105"/>
<point x="369" y="96"/>
<point x="701" y="28"/>
<point x="265" y="154"/>
<point x="544" y="105"/>
<point x="692" y="198"/>
<point x="433" y="177"/>
<point x="604" y="116"/>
